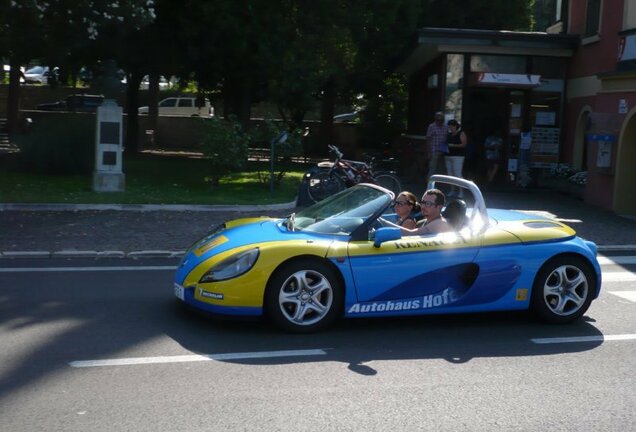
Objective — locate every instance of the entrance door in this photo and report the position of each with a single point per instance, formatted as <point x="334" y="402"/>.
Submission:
<point x="486" y="111"/>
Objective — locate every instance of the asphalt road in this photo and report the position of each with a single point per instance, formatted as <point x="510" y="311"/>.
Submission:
<point x="102" y="345"/>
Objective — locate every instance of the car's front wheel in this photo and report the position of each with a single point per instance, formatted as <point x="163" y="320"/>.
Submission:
<point x="563" y="289"/>
<point x="304" y="296"/>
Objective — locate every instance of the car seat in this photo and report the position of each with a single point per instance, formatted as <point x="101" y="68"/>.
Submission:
<point x="455" y="213"/>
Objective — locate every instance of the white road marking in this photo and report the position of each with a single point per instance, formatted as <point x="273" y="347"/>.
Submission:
<point x="610" y="260"/>
<point x="623" y="276"/>
<point x="196" y="358"/>
<point x="83" y="269"/>
<point x="576" y="339"/>
<point x="617" y="247"/>
<point x="628" y="295"/>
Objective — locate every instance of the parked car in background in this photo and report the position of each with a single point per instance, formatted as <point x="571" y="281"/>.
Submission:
<point x="75" y="103"/>
<point x="346" y="117"/>
<point x="182" y="106"/>
<point x="39" y="75"/>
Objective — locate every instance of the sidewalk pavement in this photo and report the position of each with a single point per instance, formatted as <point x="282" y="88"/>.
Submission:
<point x="117" y="231"/>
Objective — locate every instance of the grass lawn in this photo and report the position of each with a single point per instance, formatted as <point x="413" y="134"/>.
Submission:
<point x="151" y="179"/>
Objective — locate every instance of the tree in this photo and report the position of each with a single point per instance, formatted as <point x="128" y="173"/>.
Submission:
<point x="477" y="14"/>
<point x="67" y="26"/>
<point x="152" y="50"/>
<point x="16" y="42"/>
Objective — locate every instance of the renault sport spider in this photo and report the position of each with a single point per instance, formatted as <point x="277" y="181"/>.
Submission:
<point x="337" y="259"/>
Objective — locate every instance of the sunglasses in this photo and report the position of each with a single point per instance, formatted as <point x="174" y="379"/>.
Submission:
<point x="428" y="203"/>
<point x="402" y="203"/>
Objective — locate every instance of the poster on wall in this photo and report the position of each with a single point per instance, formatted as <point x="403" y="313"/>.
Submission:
<point x="544" y="151"/>
<point x="545" y="118"/>
<point x="603" y="149"/>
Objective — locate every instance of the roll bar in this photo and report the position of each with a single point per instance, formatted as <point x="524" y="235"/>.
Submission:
<point x="479" y="206"/>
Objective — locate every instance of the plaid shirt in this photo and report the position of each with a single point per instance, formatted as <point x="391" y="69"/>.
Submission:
<point x="436" y="136"/>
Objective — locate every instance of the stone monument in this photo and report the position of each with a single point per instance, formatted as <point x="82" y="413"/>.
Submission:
<point x="108" y="175"/>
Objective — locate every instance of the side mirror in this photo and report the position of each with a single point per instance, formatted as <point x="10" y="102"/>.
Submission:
<point x="386" y="234"/>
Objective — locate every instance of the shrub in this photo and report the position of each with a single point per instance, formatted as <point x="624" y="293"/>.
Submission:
<point x="224" y="146"/>
<point x="562" y="170"/>
<point x="580" y="178"/>
<point x="264" y="134"/>
<point x="52" y="146"/>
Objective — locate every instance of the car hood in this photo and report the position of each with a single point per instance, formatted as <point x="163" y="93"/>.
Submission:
<point x="240" y="233"/>
<point x="529" y="227"/>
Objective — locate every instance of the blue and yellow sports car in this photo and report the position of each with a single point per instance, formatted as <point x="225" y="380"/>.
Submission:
<point x="337" y="259"/>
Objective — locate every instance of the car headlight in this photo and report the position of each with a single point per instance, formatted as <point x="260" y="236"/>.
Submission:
<point x="232" y="266"/>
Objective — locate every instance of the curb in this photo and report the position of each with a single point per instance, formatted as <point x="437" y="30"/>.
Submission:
<point x="146" y="207"/>
<point x="169" y="253"/>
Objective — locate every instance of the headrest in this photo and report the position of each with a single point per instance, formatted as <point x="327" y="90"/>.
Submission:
<point x="455" y="213"/>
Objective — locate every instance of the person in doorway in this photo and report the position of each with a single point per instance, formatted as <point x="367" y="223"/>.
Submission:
<point x="472" y="159"/>
<point x="405" y="204"/>
<point x="493" y="145"/>
<point x="436" y="136"/>
<point x="454" y="160"/>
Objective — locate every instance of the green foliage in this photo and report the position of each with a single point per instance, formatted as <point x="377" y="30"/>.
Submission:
<point x="385" y="114"/>
<point x="543" y="14"/>
<point x="55" y="147"/>
<point x="268" y="130"/>
<point x="284" y="150"/>
<point x="224" y="146"/>
<point x="478" y="14"/>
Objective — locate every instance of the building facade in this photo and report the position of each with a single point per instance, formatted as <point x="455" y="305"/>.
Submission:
<point x="494" y="82"/>
<point x="572" y="88"/>
<point x="600" y="121"/>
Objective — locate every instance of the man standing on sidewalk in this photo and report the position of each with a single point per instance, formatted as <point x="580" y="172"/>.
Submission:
<point x="436" y="136"/>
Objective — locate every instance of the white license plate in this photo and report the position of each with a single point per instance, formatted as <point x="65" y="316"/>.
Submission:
<point x="178" y="291"/>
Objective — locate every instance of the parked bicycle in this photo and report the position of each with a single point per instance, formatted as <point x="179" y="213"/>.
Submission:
<point x="342" y="173"/>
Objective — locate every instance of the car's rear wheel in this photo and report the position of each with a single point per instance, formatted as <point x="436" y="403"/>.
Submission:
<point x="304" y="296"/>
<point x="563" y="289"/>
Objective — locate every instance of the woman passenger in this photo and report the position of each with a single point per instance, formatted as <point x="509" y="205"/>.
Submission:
<point x="405" y="204"/>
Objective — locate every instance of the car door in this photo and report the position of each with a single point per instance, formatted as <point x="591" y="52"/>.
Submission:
<point x="168" y="106"/>
<point x="432" y="269"/>
<point x="186" y="106"/>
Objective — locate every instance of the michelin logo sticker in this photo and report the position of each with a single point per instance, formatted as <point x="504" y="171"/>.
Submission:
<point x="444" y="298"/>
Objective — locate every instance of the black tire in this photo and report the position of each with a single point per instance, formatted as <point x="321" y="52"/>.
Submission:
<point x="304" y="296"/>
<point x="563" y="290"/>
<point x="323" y="184"/>
<point x="390" y="182"/>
